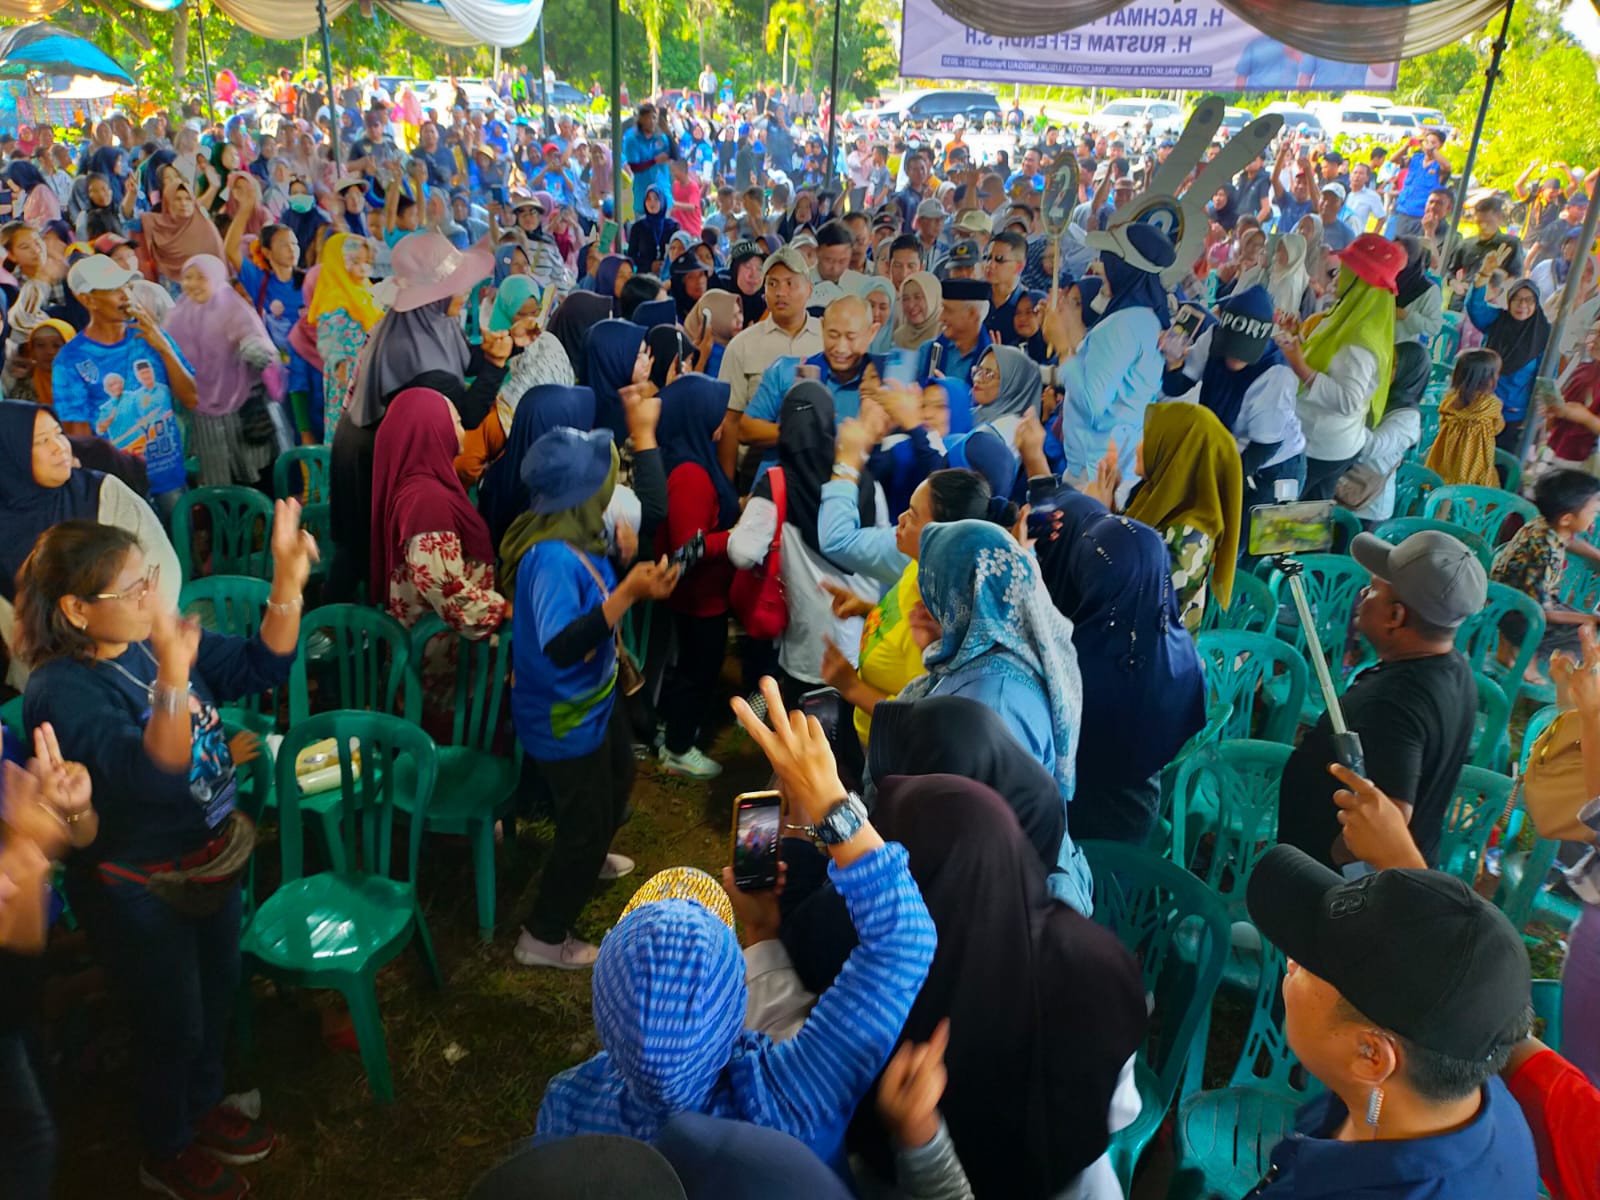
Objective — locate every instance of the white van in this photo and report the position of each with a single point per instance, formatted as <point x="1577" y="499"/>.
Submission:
<point x="1341" y="118"/>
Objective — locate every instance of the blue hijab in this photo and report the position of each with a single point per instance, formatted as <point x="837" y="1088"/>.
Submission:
<point x="605" y="275"/>
<point x="692" y="408"/>
<point x="25" y="175"/>
<point x="1133" y="288"/>
<point x="1112" y="577"/>
<point x="27" y="509"/>
<point x="502" y="262"/>
<point x="609" y="355"/>
<point x="985" y="451"/>
<point x="503" y="497"/>
<point x="959" y="396"/>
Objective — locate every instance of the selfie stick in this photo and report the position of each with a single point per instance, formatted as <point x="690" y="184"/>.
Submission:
<point x="1346" y="743"/>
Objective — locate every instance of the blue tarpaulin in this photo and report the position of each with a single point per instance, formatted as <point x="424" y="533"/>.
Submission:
<point x="40" y="47"/>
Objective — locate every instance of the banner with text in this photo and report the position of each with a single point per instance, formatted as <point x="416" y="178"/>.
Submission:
<point x="1187" y="44"/>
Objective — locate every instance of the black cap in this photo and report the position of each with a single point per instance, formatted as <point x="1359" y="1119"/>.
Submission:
<point x="967" y="289"/>
<point x="1418" y="952"/>
<point x="964" y="253"/>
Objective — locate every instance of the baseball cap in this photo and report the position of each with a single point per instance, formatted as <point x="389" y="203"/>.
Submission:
<point x="1335" y="187"/>
<point x="804" y="238"/>
<point x="930" y="208"/>
<point x="551" y="148"/>
<point x="1433" y="574"/>
<point x="786" y="256"/>
<point x="743" y="250"/>
<point x="964" y="253"/>
<point x="973" y="220"/>
<point x="98" y="273"/>
<point x="1334" y="157"/>
<point x="1418" y="952"/>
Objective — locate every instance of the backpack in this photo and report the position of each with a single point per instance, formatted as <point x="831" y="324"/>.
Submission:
<point x="757" y="595"/>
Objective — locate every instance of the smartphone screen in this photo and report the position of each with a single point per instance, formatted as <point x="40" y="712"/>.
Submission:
<point x="1300" y="527"/>
<point x="900" y="366"/>
<point x="824" y="704"/>
<point x="1188" y="321"/>
<point x="757" y="824"/>
<point x="935" y="357"/>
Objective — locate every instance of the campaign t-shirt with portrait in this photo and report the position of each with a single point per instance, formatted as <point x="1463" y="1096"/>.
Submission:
<point x="122" y="393"/>
<point x="279" y="301"/>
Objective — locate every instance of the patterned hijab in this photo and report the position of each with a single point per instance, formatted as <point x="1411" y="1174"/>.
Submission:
<point x="991" y="604"/>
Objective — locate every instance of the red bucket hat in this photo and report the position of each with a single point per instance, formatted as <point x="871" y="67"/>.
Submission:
<point x="1374" y="259"/>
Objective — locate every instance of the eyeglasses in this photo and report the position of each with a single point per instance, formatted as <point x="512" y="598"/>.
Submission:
<point x="985" y="373"/>
<point x="137" y="591"/>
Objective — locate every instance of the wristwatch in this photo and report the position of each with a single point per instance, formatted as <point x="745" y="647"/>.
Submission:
<point x="843" y="822"/>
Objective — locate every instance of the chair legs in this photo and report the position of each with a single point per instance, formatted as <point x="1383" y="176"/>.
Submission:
<point x="483" y="876"/>
<point x="361" y="995"/>
<point x="425" y="940"/>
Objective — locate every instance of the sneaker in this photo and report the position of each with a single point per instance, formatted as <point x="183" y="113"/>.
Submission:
<point x="192" y="1175"/>
<point x="692" y="763"/>
<point x="569" y="954"/>
<point x="233" y="1138"/>
<point x="616" y="866"/>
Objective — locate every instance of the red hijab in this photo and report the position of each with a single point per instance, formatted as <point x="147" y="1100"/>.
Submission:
<point x="414" y="485"/>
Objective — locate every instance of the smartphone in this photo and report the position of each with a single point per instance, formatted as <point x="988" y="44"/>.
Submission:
<point x="1188" y="321"/>
<point x="608" y="237"/>
<point x="757" y="826"/>
<point x="1301" y="527"/>
<point x="691" y="552"/>
<point x="1043" y="503"/>
<point x="899" y="366"/>
<point x="824" y="704"/>
<point x="935" y="358"/>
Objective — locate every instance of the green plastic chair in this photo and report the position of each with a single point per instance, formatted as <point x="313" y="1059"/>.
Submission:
<point x="1251" y="671"/>
<point x="234" y="605"/>
<point x="1524" y="894"/>
<point x="1447" y="342"/>
<point x="1228" y="1134"/>
<point x="1479" y="637"/>
<point x="1487" y="511"/>
<point x="363" y="664"/>
<point x="1251" y="607"/>
<point x="240" y="520"/>
<point x="1547" y="1007"/>
<point x="302" y="474"/>
<point x="1509" y="468"/>
<point x="317" y="520"/>
<point x="477" y="787"/>
<point x="1148" y="902"/>
<point x="335" y="929"/>
<point x="1346" y="525"/>
<point x="1333" y="583"/>
<point x="1418" y="454"/>
<point x="1397" y="529"/>
<point x="1226" y="796"/>
<point x="1580" y="585"/>
<point x="1491" y="734"/>
<point x="1413" y="482"/>
<point x="1475" y="808"/>
<point x="11" y="718"/>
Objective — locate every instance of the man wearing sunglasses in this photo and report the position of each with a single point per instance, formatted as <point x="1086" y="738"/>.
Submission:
<point x="1008" y="252"/>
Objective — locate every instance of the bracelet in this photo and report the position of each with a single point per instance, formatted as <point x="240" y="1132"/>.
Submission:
<point x="847" y="471"/>
<point x="286" y="606"/>
<point x="168" y="701"/>
<point x="75" y="818"/>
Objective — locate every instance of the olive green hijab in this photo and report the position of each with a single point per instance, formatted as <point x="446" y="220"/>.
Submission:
<point x="583" y="527"/>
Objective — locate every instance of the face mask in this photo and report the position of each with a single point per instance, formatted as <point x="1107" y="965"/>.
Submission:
<point x="302" y="203"/>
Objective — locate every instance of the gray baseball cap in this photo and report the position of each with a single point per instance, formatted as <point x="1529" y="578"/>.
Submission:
<point x="1433" y="574"/>
<point x="786" y="256"/>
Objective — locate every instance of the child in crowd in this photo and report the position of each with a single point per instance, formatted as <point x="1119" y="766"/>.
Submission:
<point x="1535" y="558"/>
<point x="1469" y="421"/>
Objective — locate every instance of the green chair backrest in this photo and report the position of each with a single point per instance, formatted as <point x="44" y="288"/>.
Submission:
<point x="1251" y="607"/>
<point x="1397" y="529"/>
<point x="1580" y="585"/>
<point x="483" y="667"/>
<point x="362" y="658"/>
<point x="1518" y="902"/>
<point x="1541" y="720"/>
<point x="1488" y="512"/>
<point x="1509" y="467"/>
<point x="301" y="474"/>
<point x="1252" y="671"/>
<point x="1144" y="900"/>
<point x="317" y="520"/>
<point x="1475" y="808"/>
<point x="1412" y="484"/>
<point x="1346" y="525"/>
<point x="1333" y="583"/>
<point x="1479" y="636"/>
<point x="1418" y="454"/>
<point x="11" y="718"/>
<point x="240" y="521"/>
<point x="1547" y="1007"/>
<point x="366" y="809"/>
<point x="1238" y="781"/>
<point x="1266" y="1061"/>
<point x="1491" y="737"/>
<point x="1447" y="342"/>
<point x="233" y="605"/>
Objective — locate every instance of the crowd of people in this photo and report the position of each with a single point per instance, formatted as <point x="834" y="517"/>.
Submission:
<point x="957" y="496"/>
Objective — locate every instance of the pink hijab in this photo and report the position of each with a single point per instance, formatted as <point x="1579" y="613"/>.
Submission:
<point x="210" y="336"/>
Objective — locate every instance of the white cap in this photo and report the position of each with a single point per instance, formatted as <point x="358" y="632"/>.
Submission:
<point x="1334" y="186"/>
<point x="98" y="273"/>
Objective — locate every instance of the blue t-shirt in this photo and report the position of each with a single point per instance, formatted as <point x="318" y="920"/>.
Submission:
<point x="1265" y="66"/>
<point x="559" y="712"/>
<point x="1422" y="177"/>
<point x="636" y="148"/>
<point x="122" y="393"/>
<point x="767" y="402"/>
<point x="279" y="301"/>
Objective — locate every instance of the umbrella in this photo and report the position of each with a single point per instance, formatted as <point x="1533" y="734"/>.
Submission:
<point x="40" y="47"/>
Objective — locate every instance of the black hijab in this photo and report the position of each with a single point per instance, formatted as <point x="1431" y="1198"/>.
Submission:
<point x="1228" y="215"/>
<point x="1044" y="1005"/>
<point x="1412" y="369"/>
<point x="1412" y="280"/>
<point x="1518" y="342"/>
<point x="805" y="452"/>
<point x="26" y="508"/>
<point x="571" y="322"/>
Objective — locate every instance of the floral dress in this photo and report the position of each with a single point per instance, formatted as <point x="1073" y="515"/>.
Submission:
<point x="1191" y="550"/>
<point x="436" y="576"/>
<point x="339" y="340"/>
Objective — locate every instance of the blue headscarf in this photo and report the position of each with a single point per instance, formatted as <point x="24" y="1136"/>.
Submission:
<point x="609" y="355"/>
<point x="502" y="262"/>
<point x="985" y="451"/>
<point x="1112" y="576"/>
<point x="657" y="222"/>
<point x="692" y="407"/>
<point x="1132" y="287"/>
<point x="503" y="497"/>
<point x="25" y="175"/>
<point x="150" y="176"/>
<point x="958" y="394"/>
<point x="883" y="340"/>
<point x="1088" y="288"/>
<point x="26" y="508"/>
<point x="605" y="275"/>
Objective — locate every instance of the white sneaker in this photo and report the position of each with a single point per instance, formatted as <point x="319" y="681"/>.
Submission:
<point x="616" y="866"/>
<point x="570" y="954"/>
<point x="692" y="763"/>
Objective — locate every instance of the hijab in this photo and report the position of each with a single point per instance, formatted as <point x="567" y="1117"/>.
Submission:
<point x="805" y="452"/>
<point x="415" y="488"/>
<point x="605" y="275"/>
<point x="1112" y="576"/>
<point x="174" y="240"/>
<point x="609" y="356"/>
<point x="985" y="592"/>
<point x="583" y="526"/>
<point x="1227" y="215"/>
<point x="1021" y="389"/>
<point x="692" y="409"/>
<point x="660" y="223"/>
<point x="337" y="290"/>
<point x="1362" y="316"/>
<point x="718" y="306"/>
<point x="503" y="497"/>
<point x="1413" y="368"/>
<point x="503" y="261"/>
<point x="678" y="282"/>
<point x="570" y="324"/>
<point x="1518" y="343"/>
<point x="1133" y="288"/>
<point x="1286" y="284"/>
<point x="25" y="175"/>
<point x="516" y="291"/>
<point x="211" y="336"/>
<point x="1044" y="1005"/>
<point x="26" y="508"/>
<point x="667" y="345"/>
<point x="402" y="346"/>
<point x="906" y="335"/>
<point x="1193" y="476"/>
<point x="865" y="285"/>
<point x="1412" y="280"/>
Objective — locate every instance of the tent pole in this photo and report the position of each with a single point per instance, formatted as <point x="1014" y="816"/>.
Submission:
<point x="616" y="113"/>
<point x="327" y="67"/>
<point x="1544" y="386"/>
<point x="833" y="98"/>
<point x="1489" y="76"/>
<point x="544" y="88"/>
<point x="205" y="61"/>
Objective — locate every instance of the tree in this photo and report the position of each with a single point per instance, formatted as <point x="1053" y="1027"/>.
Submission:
<point x="652" y="15"/>
<point x="794" y="23"/>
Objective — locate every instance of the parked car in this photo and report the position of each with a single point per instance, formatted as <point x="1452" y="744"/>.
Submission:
<point x="1235" y="119"/>
<point x="440" y="94"/>
<point x="564" y="95"/>
<point x="1429" y="118"/>
<point x="937" y="107"/>
<point x="1165" y="117"/>
<point x="1342" y="118"/>
<point x="1295" y="118"/>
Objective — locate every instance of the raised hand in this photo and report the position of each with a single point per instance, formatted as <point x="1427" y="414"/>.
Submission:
<point x="293" y="549"/>
<point x="1375" y="828"/>
<point x="797" y="747"/>
<point x="176" y="642"/>
<point x="912" y="1085"/>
